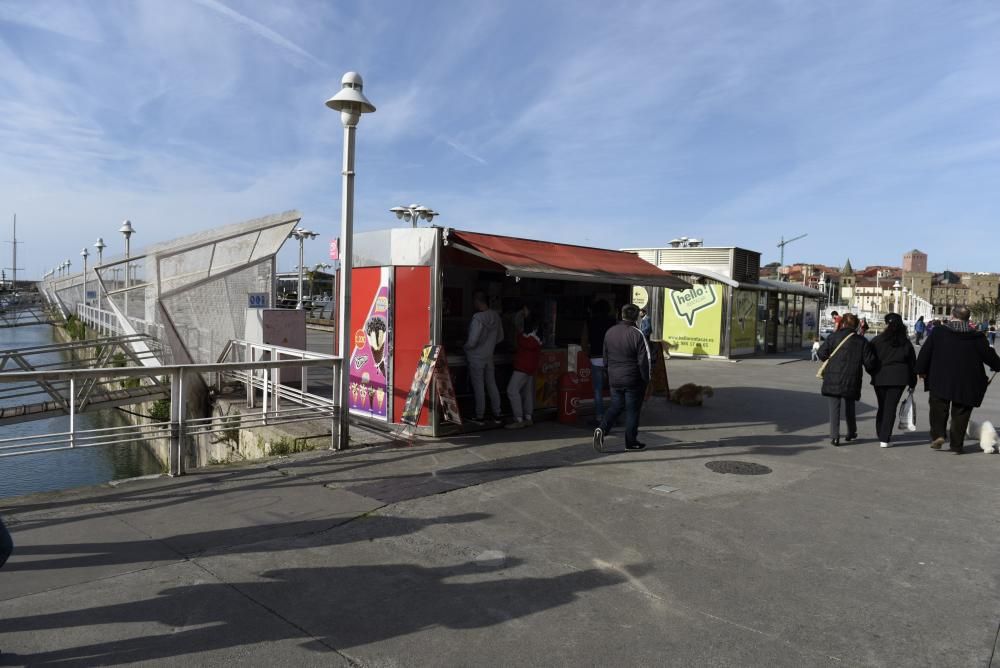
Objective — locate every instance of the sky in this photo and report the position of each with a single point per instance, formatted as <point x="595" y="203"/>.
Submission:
<point x="871" y="126"/>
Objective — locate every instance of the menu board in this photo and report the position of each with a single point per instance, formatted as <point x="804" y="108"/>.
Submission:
<point x="432" y="362"/>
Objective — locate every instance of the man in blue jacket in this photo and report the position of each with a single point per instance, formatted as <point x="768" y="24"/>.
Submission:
<point x="626" y="357"/>
<point x="951" y="363"/>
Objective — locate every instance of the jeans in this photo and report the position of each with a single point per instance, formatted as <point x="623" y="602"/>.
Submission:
<point x="937" y="416"/>
<point x="629" y="398"/>
<point x="992" y="337"/>
<point x="521" y="392"/>
<point x="852" y="423"/>
<point x="6" y="544"/>
<point x="481" y="374"/>
<point x="885" y="418"/>
<point x="597" y="377"/>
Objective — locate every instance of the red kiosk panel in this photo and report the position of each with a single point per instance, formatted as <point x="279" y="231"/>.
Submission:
<point x="411" y="332"/>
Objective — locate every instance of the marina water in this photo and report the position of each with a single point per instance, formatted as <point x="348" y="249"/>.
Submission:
<point x="64" y="469"/>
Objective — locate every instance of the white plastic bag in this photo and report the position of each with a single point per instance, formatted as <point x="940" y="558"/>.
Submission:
<point x="908" y="413"/>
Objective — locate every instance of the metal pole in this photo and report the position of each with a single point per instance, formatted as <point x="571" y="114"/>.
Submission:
<point x="302" y="240"/>
<point x="342" y="439"/>
<point x="126" y="276"/>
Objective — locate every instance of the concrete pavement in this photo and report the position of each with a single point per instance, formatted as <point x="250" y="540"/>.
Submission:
<point x="527" y="547"/>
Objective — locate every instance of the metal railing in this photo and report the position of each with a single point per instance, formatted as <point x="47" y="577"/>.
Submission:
<point x="104" y="322"/>
<point x="179" y="427"/>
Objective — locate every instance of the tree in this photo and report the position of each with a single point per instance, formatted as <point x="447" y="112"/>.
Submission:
<point x="985" y="309"/>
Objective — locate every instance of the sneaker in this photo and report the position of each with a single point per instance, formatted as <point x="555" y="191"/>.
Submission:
<point x="883" y="444"/>
<point x="636" y="446"/>
<point x="937" y="443"/>
<point x="599" y="440"/>
<point x="516" y="424"/>
<point x="478" y="422"/>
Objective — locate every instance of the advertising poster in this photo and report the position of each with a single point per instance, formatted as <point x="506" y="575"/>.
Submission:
<point x="743" y="322"/>
<point x="368" y="394"/>
<point x="692" y="319"/>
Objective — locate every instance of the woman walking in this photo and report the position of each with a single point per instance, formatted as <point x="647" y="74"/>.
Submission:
<point x="845" y="353"/>
<point x="896" y="370"/>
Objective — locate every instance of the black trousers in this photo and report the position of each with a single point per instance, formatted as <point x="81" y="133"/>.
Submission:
<point x="852" y="422"/>
<point x="938" y="418"/>
<point x="888" y="400"/>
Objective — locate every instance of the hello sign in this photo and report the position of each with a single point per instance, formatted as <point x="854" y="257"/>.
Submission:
<point x="687" y="303"/>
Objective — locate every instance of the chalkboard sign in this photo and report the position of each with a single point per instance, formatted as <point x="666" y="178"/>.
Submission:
<point x="418" y="389"/>
<point x="432" y="361"/>
<point x="446" y="391"/>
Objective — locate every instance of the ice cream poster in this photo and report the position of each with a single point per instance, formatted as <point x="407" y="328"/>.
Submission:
<point x="368" y="393"/>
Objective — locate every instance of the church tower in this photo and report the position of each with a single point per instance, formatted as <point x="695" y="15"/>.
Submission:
<point x="847" y="283"/>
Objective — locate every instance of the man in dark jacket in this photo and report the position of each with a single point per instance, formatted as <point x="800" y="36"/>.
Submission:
<point x="626" y="357"/>
<point x="951" y="364"/>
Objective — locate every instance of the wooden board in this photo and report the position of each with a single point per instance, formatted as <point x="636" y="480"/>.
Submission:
<point x="418" y="388"/>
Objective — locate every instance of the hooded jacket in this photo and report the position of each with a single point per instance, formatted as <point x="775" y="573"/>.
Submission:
<point x="953" y="363"/>
<point x="485" y="332"/>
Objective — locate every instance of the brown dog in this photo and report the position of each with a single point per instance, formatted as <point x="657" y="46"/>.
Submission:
<point x="690" y="394"/>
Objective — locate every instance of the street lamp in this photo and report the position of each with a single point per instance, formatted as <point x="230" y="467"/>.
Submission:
<point x="413" y="213"/>
<point x="301" y="234"/>
<point x="127" y="230"/>
<point x="895" y="289"/>
<point x="100" y="261"/>
<point x="351" y="103"/>
<point x="84" y="254"/>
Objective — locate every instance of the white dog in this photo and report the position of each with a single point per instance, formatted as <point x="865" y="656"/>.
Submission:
<point x="987" y="435"/>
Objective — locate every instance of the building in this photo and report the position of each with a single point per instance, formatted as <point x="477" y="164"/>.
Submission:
<point x="730" y="311"/>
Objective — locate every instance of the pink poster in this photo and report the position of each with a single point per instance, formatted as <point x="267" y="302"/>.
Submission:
<point x="369" y="360"/>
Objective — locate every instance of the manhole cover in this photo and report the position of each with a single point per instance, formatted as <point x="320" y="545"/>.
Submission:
<point x="737" y="468"/>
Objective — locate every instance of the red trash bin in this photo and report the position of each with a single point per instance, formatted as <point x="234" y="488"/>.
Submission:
<point x="569" y="397"/>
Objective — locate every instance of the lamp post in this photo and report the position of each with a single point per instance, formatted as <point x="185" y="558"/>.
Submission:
<point x="895" y="290"/>
<point x="301" y="234"/>
<point x="413" y="213"/>
<point x="100" y="260"/>
<point x="127" y="230"/>
<point x="84" y="254"/>
<point x="351" y="103"/>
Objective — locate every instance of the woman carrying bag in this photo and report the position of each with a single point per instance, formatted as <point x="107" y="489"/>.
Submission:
<point x="897" y="362"/>
<point x="844" y="353"/>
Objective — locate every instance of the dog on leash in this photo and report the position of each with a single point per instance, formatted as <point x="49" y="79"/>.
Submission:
<point x="987" y="435"/>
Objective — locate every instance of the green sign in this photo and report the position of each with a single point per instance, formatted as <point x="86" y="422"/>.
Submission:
<point x="743" y="322"/>
<point x="692" y="320"/>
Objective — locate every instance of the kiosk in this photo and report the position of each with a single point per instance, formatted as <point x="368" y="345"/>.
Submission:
<point x="413" y="287"/>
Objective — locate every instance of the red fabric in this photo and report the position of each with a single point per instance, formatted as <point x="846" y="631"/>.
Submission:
<point x="529" y="351"/>
<point x="545" y="257"/>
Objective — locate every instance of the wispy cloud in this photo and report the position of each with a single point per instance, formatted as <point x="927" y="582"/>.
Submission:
<point x="258" y="29"/>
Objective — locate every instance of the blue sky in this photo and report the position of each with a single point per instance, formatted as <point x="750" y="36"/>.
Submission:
<point x="873" y="126"/>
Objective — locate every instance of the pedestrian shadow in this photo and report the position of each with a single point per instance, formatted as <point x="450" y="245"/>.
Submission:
<point x="788" y="410"/>
<point x="255" y="539"/>
<point x="328" y="609"/>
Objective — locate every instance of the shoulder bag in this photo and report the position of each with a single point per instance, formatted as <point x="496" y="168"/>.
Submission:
<point x="822" y="367"/>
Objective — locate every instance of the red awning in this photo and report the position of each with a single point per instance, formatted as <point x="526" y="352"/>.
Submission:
<point x="526" y="258"/>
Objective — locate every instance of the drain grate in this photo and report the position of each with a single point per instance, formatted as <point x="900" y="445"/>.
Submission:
<point x="737" y="468"/>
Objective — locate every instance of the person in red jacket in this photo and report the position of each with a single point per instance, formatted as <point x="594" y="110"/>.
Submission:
<point x="521" y="388"/>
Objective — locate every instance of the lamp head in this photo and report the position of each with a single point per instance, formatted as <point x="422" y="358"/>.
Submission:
<point x="85" y="254"/>
<point x="127" y="229"/>
<point x="350" y="101"/>
<point x="399" y="211"/>
<point x="100" y="246"/>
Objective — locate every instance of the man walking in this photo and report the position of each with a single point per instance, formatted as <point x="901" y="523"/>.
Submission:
<point x="951" y="364"/>
<point x="626" y="357"/>
<point x="485" y="332"/>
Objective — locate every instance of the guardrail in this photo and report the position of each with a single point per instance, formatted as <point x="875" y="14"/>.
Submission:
<point x="179" y="426"/>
